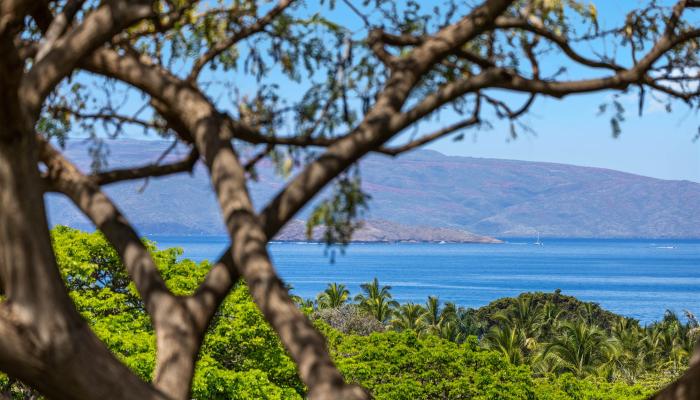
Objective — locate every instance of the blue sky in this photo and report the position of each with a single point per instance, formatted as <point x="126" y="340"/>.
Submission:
<point x="570" y="131"/>
<point x="658" y="144"/>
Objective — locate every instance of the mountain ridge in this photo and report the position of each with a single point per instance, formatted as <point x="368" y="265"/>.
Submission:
<point x="488" y="196"/>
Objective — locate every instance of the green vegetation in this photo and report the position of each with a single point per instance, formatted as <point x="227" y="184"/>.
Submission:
<point x="535" y="346"/>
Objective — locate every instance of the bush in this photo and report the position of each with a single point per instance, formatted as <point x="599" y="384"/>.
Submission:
<point x="349" y="319"/>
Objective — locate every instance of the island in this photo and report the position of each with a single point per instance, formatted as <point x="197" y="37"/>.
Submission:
<point x="383" y="231"/>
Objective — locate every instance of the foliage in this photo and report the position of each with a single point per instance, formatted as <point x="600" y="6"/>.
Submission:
<point x="403" y="365"/>
<point x="349" y="319"/>
<point x="565" y="307"/>
<point x="398" y="352"/>
<point x="376" y="300"/>
<point x="339" y="214"/>
<point x="334" y="296"/>
<point x="241" y="357"/>
<point x="288" y="78"/>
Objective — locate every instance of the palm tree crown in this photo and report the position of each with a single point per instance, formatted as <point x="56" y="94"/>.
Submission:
<point x="334" y="296"/>
<point x="376" y="300"/>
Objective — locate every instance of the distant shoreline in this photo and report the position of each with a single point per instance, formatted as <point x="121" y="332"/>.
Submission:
<point x="503" y="240"/>
<point x="497" y="241"/>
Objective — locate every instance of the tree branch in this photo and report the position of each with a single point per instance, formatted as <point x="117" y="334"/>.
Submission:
<point x="179" y="327"/>
<point x="536" y="27"/>
<point x="504" y="111"/>
<point x="376" y="44"/>
<point x="150" y="170"/>
<point x="378" y="125"/>
<point x="58" y="27"/>
<point x="65" y="52"/>
<point x="250" y="164"/>
<point x="64" y="177"/>
<point x="184" y="106"/>
<point x="117" y="119"/>
<point x="394" y="151"/>
<point x="243" y="33"/>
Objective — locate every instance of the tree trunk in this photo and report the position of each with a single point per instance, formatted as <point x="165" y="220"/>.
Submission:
<point x="43" y="340"/>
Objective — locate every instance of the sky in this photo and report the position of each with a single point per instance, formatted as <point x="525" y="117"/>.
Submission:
<point x="657" y="144"/>
<point x="570" y="131"/>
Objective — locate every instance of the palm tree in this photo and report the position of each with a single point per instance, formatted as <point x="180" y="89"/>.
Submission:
<point x="579" y="348"/>
<point x="526" y="316"/>
<point x="376" y="300"/>
<point x="334" y="296"/>
<point x="507" y="340"/>
<point x="298" y="300"/>
<point x="435" y="316"/>
<point x="306" y="303"/>
<point x="675" y="341"/>
<point x="408" y="317"/>
<point x="587" y="313"/>
<point x="627" y="360"/>
<point x="466" y="324"/>
<point x="550" y="317"/>
<point x="450" y="331"/>
<point x="693" y="326"/>
<point x="668" y="331"/>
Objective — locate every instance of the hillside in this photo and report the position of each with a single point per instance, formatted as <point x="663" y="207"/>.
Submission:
<point x="387" y="231"/>
<point x="501" y="198"/>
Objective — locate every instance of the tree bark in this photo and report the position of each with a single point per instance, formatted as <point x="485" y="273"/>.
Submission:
<point x="179" y="322"/>
<point x="687" y="387"/>
<point x="43" y="340"/>
<point x="198" y="121"/>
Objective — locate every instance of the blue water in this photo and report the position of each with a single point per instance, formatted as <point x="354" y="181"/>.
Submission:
<point x="637" y="278"/>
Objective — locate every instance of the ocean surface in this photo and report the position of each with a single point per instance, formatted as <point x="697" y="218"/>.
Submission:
<point x="636" y="278"/>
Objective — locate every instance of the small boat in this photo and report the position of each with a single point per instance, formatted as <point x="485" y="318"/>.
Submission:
<point x="442" y="242"/>
<point x="538" y="242"/>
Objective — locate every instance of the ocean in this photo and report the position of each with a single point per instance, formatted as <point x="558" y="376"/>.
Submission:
<point x="636" y="278"/>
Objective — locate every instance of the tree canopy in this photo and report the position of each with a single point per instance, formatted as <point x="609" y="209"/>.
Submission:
<point x="242" y="357"/>
<point x="241" y="81"/>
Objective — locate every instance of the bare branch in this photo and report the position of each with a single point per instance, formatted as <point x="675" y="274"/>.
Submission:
<point x="400" y="40"/>
<point x="179" y="322"/>
<point x="504" y="111"/>
<point x="411" y="40"/>
<point x="250" y="164"/>
<point x="376" y="44"/>
<point x="216" y="286"/>
<point x="656" y="85"/>
<point x="445" y="94"/>
<point x="394" y="151"/>
<point x="151" y="170"/>
<point x="536" y="27"/>
<point x="357" y="12"/>
<point x="118" y="118"/>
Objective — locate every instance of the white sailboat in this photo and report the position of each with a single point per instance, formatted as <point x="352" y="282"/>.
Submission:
<point x="538" y="242"/>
